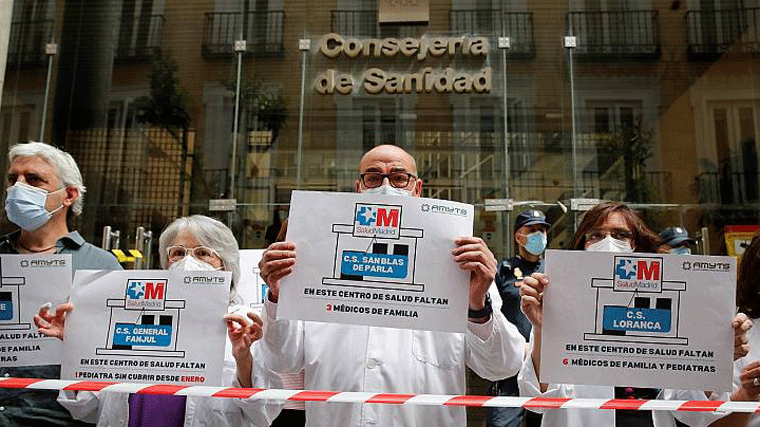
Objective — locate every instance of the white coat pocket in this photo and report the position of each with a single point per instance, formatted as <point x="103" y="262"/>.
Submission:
<point x="443" y="350"/>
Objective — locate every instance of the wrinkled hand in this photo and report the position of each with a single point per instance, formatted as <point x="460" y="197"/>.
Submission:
<point x="243" y="333"/>
<point x="750" y="379"/>
<point x="277" y="261"/>
<point x="52" y="325"/>
<point x="532" y="297"/>
<point x="472" y="254"/>
<point x="741" y="325"/>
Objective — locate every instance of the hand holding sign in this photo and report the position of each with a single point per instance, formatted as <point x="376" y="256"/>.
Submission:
<point x="52" y="325"/>
<point x="277" y="262"/>
<point x="532" y="297"/>
<point x="741" y="325"/>
<point x="472" y="254"/>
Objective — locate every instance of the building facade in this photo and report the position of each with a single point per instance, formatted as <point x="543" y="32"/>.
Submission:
<point x="651" y="102"/>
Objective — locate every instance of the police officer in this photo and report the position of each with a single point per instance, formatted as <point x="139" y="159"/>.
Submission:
<point x="676" y="241"/>
<point x="530" y="239"/>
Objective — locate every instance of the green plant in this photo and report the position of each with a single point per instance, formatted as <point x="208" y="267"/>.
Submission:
<point x="168" y="104"/>
<point x="632" y="146"/>
<point x="270" y="108"/>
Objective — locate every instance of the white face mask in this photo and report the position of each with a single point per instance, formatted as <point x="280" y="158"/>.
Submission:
<point x="610" y="244"/>
<point x="190" y="263"/>
<point x="388" y="190"/>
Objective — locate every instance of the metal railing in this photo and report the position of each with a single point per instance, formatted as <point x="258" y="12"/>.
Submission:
<point x="611" y="185"/>
<point x="263" y="32"/>
<point x="26" y="46"/>
<point x="518" y="26"/>
<point x="631" y="34"/>
<point x="715" y="32"/>
<point x="140" y="38"/>
<point x="364" y="23"/>
<point x="727" y="187"/>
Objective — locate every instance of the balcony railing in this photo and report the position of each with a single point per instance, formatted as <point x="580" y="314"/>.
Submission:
<point x="27" y="42"/>
<point x="364" y="23"/>
<point x="715" y="32"/>
<point x="263" y="32"/>
<point x="615" y="35"/>
<point x="611" y="185"/>
<point x="140" y="38"/>
<point x="518" y="26"/>
<point x="727" y="187"/>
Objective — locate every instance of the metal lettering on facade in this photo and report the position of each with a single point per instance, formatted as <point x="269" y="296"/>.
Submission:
<point x="425" y="79"/>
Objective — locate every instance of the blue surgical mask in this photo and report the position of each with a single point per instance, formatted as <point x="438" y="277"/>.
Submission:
<point x="25" y="206"/>
<point x="535" y="242"/>
<point x="388" y="190"/>
<point x="681" y="250"/>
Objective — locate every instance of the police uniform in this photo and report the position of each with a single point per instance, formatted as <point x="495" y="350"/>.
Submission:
<point x="508" y="273"/>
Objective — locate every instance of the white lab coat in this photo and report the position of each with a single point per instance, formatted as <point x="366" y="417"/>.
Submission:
<point x="112" y="409"/>
<point x="385" y="360"/>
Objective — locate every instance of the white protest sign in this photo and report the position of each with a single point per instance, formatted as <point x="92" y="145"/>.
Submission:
<point x="376" y="260"/>
<point x="251" y="287"/>
<point x="26" y="283"/>
<point x="147" y="326"/>
<point x="641" y="320"/>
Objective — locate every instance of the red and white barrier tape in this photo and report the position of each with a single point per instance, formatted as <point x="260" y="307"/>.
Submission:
<point x="384" y="398"/>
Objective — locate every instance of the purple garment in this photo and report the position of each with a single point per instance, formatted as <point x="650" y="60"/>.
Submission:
<point x="148" y="410"/>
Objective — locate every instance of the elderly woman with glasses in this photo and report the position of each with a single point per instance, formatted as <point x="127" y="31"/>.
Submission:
<point x="607" y="227"/>
<point x="190" y="243"/>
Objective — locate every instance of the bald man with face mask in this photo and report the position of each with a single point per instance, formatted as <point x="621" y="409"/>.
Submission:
<point x="385" y="360"/>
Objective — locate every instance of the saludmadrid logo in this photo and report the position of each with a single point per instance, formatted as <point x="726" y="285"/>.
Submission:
<point x="443" y="209"/>
<point x="25" y="263"/>
<point x="720" y="267"/>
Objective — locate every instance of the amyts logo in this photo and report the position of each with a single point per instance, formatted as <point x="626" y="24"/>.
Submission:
<point x="382" y="221"/>
<point x="26" y="263"/>
<point x="145" y="294"/>
<point x="637" y="274"/>
<point x="448" y="210"/>
<point x="720" y="267"/>
<point x="204" y="279"/>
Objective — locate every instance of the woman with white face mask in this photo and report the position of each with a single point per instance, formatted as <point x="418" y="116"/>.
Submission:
<point x="608" y="227"/>
<point x="194" y="243"/>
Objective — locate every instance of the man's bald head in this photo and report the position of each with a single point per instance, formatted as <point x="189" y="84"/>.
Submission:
<point x="386" y="159"/>
<point x="389" y="153"/>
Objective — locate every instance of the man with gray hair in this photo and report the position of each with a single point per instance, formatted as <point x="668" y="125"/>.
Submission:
<point x="44" y="188"/>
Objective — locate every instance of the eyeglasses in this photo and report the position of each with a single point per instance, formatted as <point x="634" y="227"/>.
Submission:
<point x="397" y="179"/>
<point x="598" y="234"/>
<point x="201" y="253"/>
